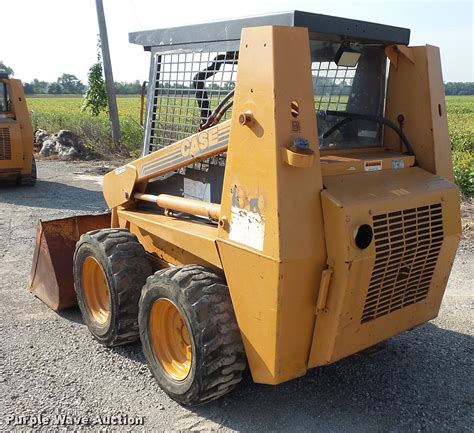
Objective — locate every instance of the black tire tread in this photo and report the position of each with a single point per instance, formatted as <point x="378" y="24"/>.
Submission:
<point x="224" y="361"/>
<point x="30" y="179"/>
<point x="128" y="263"/>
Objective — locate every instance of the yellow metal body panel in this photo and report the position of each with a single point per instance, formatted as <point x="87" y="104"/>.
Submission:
<point x="394" y="51"/>
<point x="353" y="200"/>
<point x="119" y="184"/>
<point x="273" y="247"/>
<point x="195" y="238"/>
<point x="20" y="131"/>
<point x="415" y="89"/>
<point x="350" y="163"/>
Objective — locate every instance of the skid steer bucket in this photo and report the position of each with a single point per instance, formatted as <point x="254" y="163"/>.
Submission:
<point x="51" y="273"/>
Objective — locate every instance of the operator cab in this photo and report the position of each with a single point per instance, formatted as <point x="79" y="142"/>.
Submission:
<point x="194" y="69"/>
<point x="356" y="87"/>
<point x="6" y="114"/>
<point x="349" y="103"/>
<point x="4" y="96"/>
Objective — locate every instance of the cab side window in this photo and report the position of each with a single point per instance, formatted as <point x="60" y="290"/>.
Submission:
<point x="4" y="100"/>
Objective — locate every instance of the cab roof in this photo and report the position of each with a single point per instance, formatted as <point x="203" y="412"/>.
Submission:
<point x="321" y="27"/>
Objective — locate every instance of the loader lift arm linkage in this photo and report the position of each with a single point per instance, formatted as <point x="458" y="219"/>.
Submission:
<point x="120" y="184"/>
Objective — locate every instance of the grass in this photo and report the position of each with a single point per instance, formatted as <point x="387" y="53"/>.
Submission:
<point x="461" y="131"/>
<point x="55" y="113"/>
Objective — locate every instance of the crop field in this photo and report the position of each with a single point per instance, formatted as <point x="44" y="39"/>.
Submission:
<point x="461" y="131"/>
<point x="55" y="113"/>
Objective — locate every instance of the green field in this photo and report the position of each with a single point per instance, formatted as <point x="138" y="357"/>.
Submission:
<point x="461" y="131"/>
<point x="53" y="114"/>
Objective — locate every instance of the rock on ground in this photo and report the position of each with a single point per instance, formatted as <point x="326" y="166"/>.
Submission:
<point x="65" y="144"/>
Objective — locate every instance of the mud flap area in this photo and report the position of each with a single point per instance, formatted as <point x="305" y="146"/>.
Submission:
<point x="51" y="277"/>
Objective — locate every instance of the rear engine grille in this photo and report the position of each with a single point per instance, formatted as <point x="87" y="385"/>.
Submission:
<point x="407" y="245"/>
<point x="5" y="144"/>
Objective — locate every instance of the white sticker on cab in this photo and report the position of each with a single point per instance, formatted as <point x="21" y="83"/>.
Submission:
<point x="398" y="163"/>
<point x="373" y="165"/>
<point x="247" y="228"/>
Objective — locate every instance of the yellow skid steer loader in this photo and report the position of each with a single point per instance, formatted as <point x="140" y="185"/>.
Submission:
<point x="293" y="205"/>
<point x="17" y="163"/>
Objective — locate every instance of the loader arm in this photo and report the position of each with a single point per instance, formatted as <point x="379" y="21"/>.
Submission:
<point x="120" y="184"/>
<point x="51" y="273"/>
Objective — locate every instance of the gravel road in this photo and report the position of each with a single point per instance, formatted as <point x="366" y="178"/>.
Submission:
<point x="52" y="370"/>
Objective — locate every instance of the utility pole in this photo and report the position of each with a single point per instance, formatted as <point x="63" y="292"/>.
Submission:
<point x="109" y="78"/>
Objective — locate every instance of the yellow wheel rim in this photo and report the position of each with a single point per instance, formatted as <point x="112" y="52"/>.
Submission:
<point x="170" y="339"/>
<point x="96" y="290"/>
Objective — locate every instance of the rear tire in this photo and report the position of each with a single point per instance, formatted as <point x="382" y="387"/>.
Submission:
<point x="217" y="358"/>
<point x="110" y="268"/>
<point x="29" y="179"/>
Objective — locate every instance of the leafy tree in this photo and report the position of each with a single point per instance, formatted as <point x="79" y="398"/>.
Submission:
<point x="39" y="87"/>
<point x="229" y="85"/>
<point x="28" y="88"/>
<point x="70" y="84"/>
<point x="95" y="99"/>
<point x="6" y="68"/>
<point x="55" y="89"/>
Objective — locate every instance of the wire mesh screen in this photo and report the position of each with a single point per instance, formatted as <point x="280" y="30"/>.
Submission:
<point x="332" y="85"/>
<point x="188" y="87"/>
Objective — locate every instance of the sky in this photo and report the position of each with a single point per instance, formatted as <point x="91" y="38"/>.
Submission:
<point x="45" y="38"/>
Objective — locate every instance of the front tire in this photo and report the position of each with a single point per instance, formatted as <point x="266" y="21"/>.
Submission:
<point x="189" y="334"/>
<point x="110" y="268"/>
<point x="29" y="179"/>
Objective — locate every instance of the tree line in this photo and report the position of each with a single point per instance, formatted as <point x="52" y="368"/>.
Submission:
<point x="69" y="84"/>
<point x="459" y="88"/>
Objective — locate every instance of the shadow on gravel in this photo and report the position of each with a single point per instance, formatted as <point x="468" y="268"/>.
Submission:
<point x="53" y="195"/>
<point x="131" y="351"/>
<point x="422" y="380"/>
<point x="418" y="381"/>
<point x="72" y="314"/>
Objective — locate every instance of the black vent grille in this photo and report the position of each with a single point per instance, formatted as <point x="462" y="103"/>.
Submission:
<point x="407" y="245"/>
<point x="5" y="144"/>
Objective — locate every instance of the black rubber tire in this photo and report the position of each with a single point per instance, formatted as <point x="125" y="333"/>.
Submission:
<point x="126" y="266"/>
<point x="218" y="357"/>
<point x="30" y="179"/>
